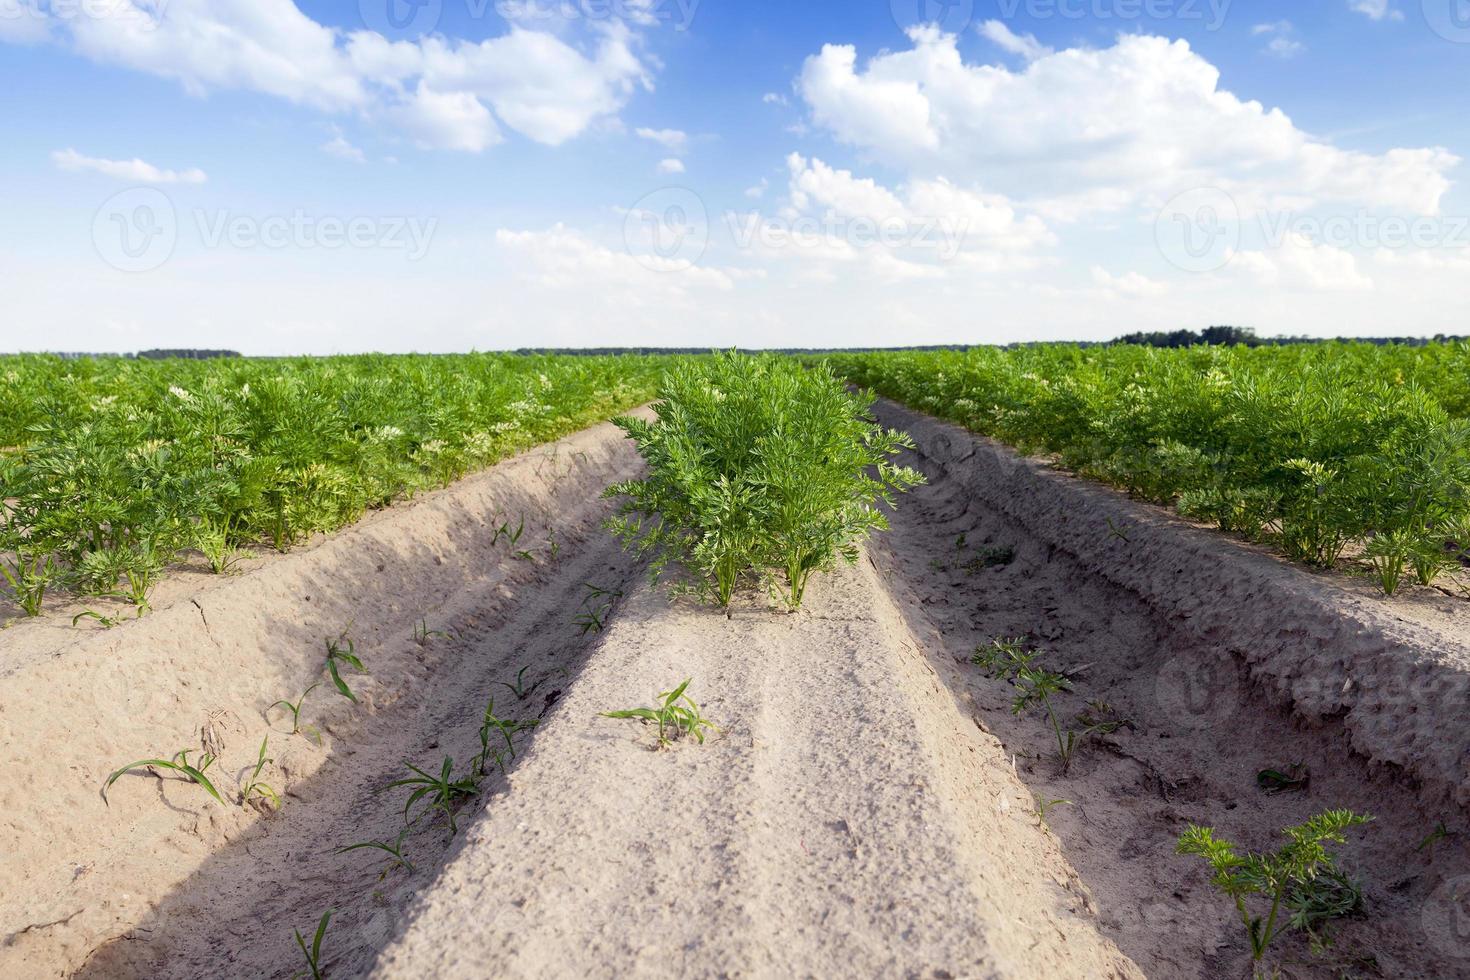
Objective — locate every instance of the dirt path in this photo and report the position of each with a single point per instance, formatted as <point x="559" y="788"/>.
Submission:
<point x="1200" y="730"/>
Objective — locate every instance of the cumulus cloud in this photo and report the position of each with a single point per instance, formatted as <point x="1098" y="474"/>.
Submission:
<point x="1083" y="129"/>
<point x="135" y="170"/>
<point x="671" y="166"/>
<point x="445" y="93"/>
<point x="1131" y="284"/>
<point x="1298" y="262"/>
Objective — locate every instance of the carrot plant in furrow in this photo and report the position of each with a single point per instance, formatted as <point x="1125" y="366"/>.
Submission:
<point x="112" y="470"/>
<point x="759" y="471"/>
<point x="1323" y="451"/>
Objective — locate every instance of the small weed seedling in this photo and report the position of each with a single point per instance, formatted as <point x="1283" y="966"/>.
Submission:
<point x="296" y="727"/>
<point x="254" y="788"/>
<point x="422" y="634"/>
<point x="989" y="558"/>
<point x="1300" y="881"/>
<point x="1043" y="807"/>
<point x="1036" y="686"/>
<point x="519" y="688"/>
<point x="678" y="715"/>
<point x="107" y="622"/>
<point x="1436" y="835"/>
<point x="1294" y="777"/>
<point x="393" y="850"/>
<point x="341" y="651"/>
<point x="179" y="764"/>
<point x="1114" y="531"/>
<point x="504" y="531"/>
<point x="313" y="953"/>
<point x="443" y="791"/>
<point x="507" y="730"/>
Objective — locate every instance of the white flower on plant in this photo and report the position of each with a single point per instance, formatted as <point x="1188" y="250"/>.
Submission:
<point x="180" y="393"/>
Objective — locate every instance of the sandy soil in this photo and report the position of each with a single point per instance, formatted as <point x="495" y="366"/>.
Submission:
<point x="200" y="671"/>
<point x="1222" y="659"/>
<point x="869" y="809"/>
<point x="847" y="821"/>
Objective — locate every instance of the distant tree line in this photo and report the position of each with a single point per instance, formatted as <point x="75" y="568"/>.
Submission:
<point x="1246" y="336"/>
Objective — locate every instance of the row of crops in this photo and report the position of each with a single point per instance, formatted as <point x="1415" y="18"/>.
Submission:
<point x="112" y="470"/>
<point x="1323" y="451"/>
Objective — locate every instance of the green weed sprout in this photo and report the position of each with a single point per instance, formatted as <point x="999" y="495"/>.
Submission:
<point x="1299" y="881"/>
<point x="342" y="651"/>
<point x="179" y="764"/>
<point x="507" y="730"/>
<point x="519" y="688"/>
<point x="422" y="634"/>
<point x="678" y="714"/>
<point x="253" y="787"/>
<point x="295" y="709"/>
<point x="442" y="791"/>
<point x="313" y="953"/>
<point x="393" y="850"/>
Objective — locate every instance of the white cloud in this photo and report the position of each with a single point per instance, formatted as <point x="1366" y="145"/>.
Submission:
<point x="1297" y="262"/>
<point x="758" y="191"/>
<point x="135" y="170"/>
<point x="671" y="166"/>
<point x="1132" y="124"/>
<point x="339" y="146"/>
<point x="1024" y="45"/>
<point x="1131" y="284"/>
<point x="441" y="91"/>
<point x="775" y="98"/>
<point x="1282" y="41"/>
<point x="561" y="258"/>
<point x="1376" y="9"/>
<point x="673" y="140"/>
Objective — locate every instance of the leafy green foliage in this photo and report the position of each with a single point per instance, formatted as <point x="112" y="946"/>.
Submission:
<point x="506" y="728"/>
<point x="113" y="469"/>
<point x="676" y="715"/>
<point x="179" y="763"/>
<point x="757" y="469"/>
<point x="1299" y="883"/>
<point x="1317" y="449"/>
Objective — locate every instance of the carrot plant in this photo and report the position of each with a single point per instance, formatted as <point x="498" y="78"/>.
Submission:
<point x="759" y="471"/>
<point x="676" y="715"/>
<point x="179" y="763"/>
<point x="1298" y="885"/>
<point x="1319" y="450"/>
<point x="116" y="469"/>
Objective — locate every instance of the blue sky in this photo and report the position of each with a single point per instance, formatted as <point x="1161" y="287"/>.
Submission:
<point x="278" y="177"/>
